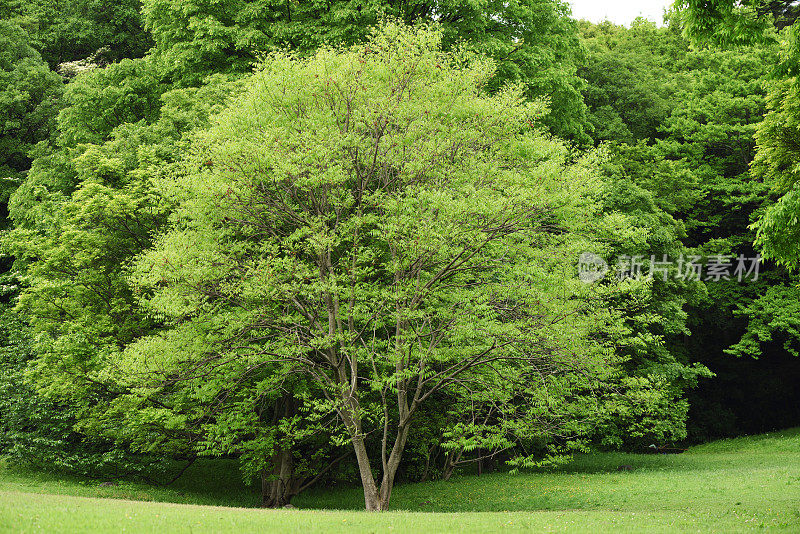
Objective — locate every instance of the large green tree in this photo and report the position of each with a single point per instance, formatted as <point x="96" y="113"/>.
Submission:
<point x="88" y="205"/>
<point x="369" y="221"/>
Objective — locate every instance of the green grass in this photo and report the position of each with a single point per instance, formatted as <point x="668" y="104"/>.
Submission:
<point x="735" y="485"/>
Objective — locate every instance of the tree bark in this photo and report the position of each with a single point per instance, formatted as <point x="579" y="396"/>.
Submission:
<point x="450" y="463"/>
<point x="376" y="498"/>
<point x="372" y="500"/>
<point x="280" y="485"/>
<point x="428" y="459"/>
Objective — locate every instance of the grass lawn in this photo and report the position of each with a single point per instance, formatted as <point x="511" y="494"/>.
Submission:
<point x="728" y="486"/>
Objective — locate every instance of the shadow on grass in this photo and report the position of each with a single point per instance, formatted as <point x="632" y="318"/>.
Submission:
<point x="207" y="482"/>
<point x="590" y="481"/>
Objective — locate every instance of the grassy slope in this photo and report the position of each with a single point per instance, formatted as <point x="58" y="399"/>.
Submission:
<point x="732" y="485"/>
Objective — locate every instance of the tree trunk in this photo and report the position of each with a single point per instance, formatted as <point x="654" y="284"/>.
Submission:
<point x="393" y="463"/>
<point x="280" y="485"/>
<point x="428" y="458"/>
<point x="372" y="500"/>
<point x="376" y="499"/>
<point x="450" y="464"/>
<point x="490" y="464"/>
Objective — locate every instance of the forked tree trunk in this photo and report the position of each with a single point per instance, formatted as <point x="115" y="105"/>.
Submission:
<point x="451" y="459"/>
<point x="376" y="498"/>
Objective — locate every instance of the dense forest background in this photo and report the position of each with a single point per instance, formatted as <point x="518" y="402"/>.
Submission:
<point x="693" y="143"/>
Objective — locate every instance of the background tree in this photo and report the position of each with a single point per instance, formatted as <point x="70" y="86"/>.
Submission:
<point x="767" y="319"/>
<point x="735" y="22"/>
<point x="631" y="78"/>
<point x="85" y="206"/>
<point x="722" y="22"/>
<point x="776" y="163"/>
<point x="29" y="100"/>
<point x="534" y="42"/>
<point x="71" y="31"/>
<point x="696" y="166"/>
<point x="633" y="75"/>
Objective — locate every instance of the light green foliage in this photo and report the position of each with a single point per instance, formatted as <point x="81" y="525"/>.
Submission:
<point x="774" y="316"/>
<point x="779" y="231"/>
<point x="733" y="22"/>
<point x="370" y="220"/>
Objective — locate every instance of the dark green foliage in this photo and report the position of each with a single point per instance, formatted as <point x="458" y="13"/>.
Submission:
<point x="86" y="206"/>
<point x="695" y="164"/>
<point x="533" y="41"/>
<point x="41" y="432"/>
<point x="776" y="163"/>
<point x="79" y="29"/>
<point x="102" y="99"/>
<point x="722" y="22"/>
<point x="29" y="101"/>
<point x="631" y="79"/>
<point x="647" y="190"/>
